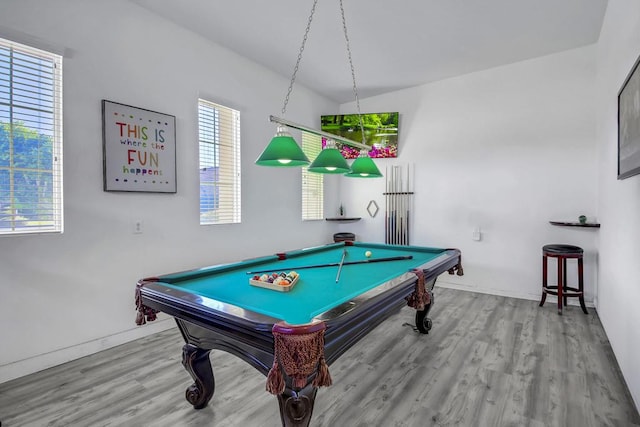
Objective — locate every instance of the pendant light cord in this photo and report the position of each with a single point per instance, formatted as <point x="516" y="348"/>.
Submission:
<point x="353" y="72"/>
<point x="295" y="69"/>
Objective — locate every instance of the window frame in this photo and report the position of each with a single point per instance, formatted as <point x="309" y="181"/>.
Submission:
<point x="226" y="183"/>
<point x="31" y="60"/>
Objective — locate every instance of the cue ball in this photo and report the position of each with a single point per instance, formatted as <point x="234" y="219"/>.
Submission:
<point x="367" y="254"/>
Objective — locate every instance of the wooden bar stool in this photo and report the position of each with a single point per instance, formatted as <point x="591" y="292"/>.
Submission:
<point x="562" y="253"/>
<point x="342" y="237"/>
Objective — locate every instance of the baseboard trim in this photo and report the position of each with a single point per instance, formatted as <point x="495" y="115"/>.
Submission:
<point x="520" y="295"/>
<point x="41" y="362"/>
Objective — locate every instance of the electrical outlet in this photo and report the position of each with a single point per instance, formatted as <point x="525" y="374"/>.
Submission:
<point x="137" y="226"/>
<point x="477" y="234"/>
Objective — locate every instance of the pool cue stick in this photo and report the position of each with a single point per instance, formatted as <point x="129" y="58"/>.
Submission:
<point x="395" y="206"/>
<point x="390" y="204"/>
<point x="344" y="254"/>
<point x="408" y="201"/>
<point x="404" y="217"/>
<point x="390" y="195"/>
<point x="402" y="242"/>
<point x="401" y="221"/>
<point x="388" y="200"/>
<point x="407" y="227"/>
<point x="334" y="264"/>
<point x="386" y="204"/>
<point x="406" y="220"/>
<point x="399" y="202"/>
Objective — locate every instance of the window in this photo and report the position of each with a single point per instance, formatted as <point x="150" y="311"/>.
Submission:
<point x="312" y="183"/>
<point x="30" y="140"/>
<point x="219" y="136"/>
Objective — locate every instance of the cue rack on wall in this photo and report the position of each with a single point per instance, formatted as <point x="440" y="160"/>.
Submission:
<point x="398" y="198"/>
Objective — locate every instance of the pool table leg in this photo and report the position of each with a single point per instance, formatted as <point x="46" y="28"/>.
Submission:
<point x="423" y="323"/>
<point x="296" y="407"/>
<point x="196" y="361"/>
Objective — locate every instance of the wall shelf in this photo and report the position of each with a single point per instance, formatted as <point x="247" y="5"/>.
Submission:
<point x="575" y="224"/>
<point x="344" y="219"/>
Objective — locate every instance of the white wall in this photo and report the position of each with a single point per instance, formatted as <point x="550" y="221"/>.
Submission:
<point x="505" y="150"/>
<point x="619" y="201"/>
<point x="64" y="296"/>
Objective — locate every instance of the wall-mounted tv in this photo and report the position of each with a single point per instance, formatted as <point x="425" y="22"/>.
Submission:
<point x="380" y="133"/>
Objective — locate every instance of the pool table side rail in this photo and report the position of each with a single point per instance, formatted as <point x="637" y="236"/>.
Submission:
<point x="354" y="324"/>
<point x="312" y="249"/>
<point x="210" y="311"/>
<point x="156" y="293"/>
<point x="227" y="319"/>
<point x="425" y="249"/>
<point x="176" y="278"/>
<point x="432" y="268"/>
<point x="196" y="273"/>
<point x="348" y="325"/>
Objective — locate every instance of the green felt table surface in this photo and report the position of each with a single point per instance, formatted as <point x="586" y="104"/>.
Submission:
<point x="316" y="290"/>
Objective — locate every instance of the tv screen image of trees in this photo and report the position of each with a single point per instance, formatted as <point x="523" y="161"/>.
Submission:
<point x="380" y="133"/>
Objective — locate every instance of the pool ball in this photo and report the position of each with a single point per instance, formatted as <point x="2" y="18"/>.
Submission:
<point x="367" y="254"/>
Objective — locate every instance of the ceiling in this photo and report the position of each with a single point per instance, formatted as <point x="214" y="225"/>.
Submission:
<point x="394" y="44"/>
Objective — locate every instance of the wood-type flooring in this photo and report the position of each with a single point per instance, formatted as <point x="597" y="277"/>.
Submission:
<point x="488" y="361"/>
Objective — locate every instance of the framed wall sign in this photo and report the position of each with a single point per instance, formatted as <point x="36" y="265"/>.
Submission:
<point x="629" y="125"/>
<point x="139" y="148"/>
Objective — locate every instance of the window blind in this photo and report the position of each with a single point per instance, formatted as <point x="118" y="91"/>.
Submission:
<point x="219" y="140"/>
<point x="30" y="140"/>
<point x="312" y="183"/>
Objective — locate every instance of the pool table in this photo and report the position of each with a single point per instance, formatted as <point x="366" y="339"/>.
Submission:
<point x="292" y="337"/>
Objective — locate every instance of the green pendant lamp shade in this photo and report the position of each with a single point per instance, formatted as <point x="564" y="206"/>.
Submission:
<point x="282" y="151"/>
<point x="364" y="167"/>
<point x="329" y="160"/>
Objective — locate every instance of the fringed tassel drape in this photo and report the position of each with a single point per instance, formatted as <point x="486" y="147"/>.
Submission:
<point x="144" y="312"/>
<point x="420" y="298"/>
<point x="298" y="353"/>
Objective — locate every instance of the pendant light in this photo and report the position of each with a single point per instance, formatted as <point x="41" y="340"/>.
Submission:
<point x="364" y="167"/>
<point x="284" y="151"/>
<point x="329" y="160"/>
